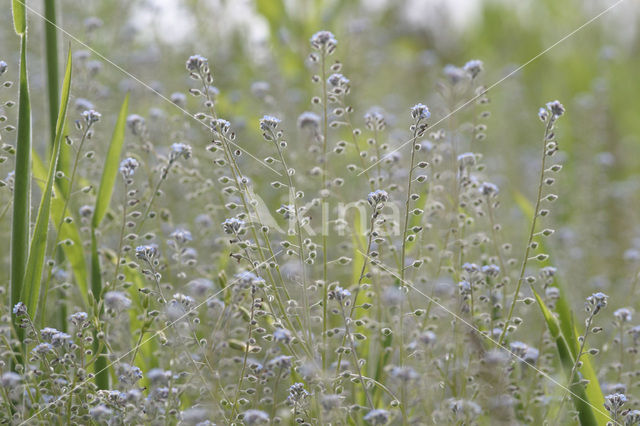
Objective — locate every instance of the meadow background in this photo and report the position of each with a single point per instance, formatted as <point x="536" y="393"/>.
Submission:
<point x="394" y="53"/>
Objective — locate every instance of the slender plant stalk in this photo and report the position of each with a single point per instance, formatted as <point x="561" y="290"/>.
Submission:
<point x="536" y="210"/>
<point x="403" y="260"/>
<point x="236" y="173"/>
<point x="292" y="196"/>
<point x="325" y="134"/>
<point x="354" y="353"/>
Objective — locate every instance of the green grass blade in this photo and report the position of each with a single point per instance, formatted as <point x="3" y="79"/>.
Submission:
<point x="100" y="367"/>
<point x="579" y="396"/>
<point x="111" y="165"/>
<point x="73" y="251"/>
<point x="51" y="56"/>
<point x="35" y="263"/>
<point x="22" y="184"/>
<point x="19" y="17"/>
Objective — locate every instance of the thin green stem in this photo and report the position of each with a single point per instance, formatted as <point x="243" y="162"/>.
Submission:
<point x="536" y="211"/>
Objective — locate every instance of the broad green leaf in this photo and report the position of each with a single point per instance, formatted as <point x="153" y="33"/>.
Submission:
<point x="22" y="183"/>
<point x="110" y="171"/>
<point x="35" y="262"/>
<point x="19" y="16"/>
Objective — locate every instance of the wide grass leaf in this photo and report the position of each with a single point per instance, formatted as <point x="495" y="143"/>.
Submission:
<point x="579" y="396"/>
<point x="35" y="263"/>
<point x="19" y="17"/>
<point x="111" y="164"/>
<point x="22" y="183"/>
<point x="69" y="233"/>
